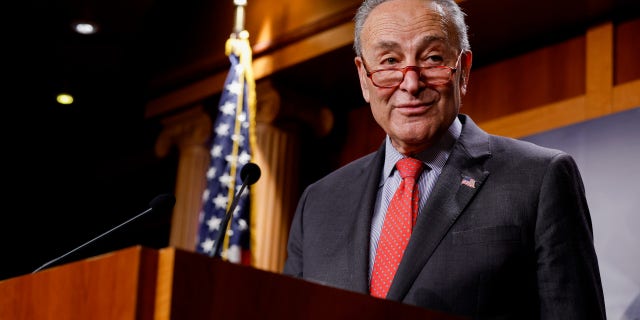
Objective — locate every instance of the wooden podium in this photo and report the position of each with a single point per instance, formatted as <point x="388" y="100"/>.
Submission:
<point x="143" y="283"/>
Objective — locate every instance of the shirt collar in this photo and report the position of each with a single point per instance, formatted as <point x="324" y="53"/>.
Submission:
<point x="434" y="157"/>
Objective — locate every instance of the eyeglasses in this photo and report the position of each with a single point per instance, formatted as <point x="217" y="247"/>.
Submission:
<point x="393" y="77"/>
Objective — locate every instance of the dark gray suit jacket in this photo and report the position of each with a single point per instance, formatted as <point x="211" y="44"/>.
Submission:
<point x="515" y="244"/>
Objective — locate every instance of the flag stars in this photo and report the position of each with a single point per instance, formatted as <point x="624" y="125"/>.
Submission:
<point x="216" y="151"/>
<point x="239" y="138"/>
<point x="238" y="209"/>
<point x="230" y="158"/>
<point x="239" y="69"/>
<point x="205" y="195"/>
<point x="214" y="223"/>
<point x="234" y="88"/>
<point x="242" y="224"/>
<point x="211" y="173"/>
<point x="207" y="245"/>
<point x="233" y="254"/>
<point x="220" y="201"/>
<point x="244" y="157"/>
<point x="228" y="108"/>
<point x="225" y="180"/>
<point x="223" y="129"/>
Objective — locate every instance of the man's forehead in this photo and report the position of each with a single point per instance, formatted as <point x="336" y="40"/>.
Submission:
<point x="394" y="6"/>
<point x="404" y="16"/>
<point x="426" y="39"/>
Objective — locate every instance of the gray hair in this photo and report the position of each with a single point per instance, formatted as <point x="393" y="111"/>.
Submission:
<point x="452" y="11"/>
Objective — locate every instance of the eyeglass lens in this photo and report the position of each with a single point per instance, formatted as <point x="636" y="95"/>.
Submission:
<point x="437" y="75"/>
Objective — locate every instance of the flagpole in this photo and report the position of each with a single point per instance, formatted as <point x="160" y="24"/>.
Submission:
<point x="238" y="25"/>
<point x="238" y="43"/>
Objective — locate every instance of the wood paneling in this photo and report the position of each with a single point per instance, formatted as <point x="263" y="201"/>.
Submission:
<point x="363" y="135"/>
<point x="115" y="285"/>
<point x="599" y="77"/>
<point x="542" y="76"/>
<point x="627" y="51"/>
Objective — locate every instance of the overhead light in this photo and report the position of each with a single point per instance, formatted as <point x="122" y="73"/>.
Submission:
<point x="64" y="98"/>
<point x="85" y="27"/>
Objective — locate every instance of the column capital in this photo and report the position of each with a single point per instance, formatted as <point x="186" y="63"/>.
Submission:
<point x="283" y="108"/>
<point x="187" y="128"/>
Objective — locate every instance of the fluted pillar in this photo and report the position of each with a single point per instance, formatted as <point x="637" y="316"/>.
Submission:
<point x="277" y="155"/>
<point x="189" y="131"/>
<point x="280" y="119"/>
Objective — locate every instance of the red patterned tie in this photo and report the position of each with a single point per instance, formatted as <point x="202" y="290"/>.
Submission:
<point x="396" y="230"/>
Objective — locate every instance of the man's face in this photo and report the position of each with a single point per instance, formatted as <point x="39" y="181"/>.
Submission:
<point x="403" y="33"/>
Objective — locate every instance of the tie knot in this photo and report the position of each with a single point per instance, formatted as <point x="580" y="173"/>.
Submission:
<point x="409" y="167"/>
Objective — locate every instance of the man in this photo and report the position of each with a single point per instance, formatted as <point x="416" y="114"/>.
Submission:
<point x="502" y="228"/>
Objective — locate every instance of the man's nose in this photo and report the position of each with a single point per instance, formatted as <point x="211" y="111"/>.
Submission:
<point x="412" y="76"/>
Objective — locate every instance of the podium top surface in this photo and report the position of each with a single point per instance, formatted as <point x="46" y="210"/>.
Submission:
<point x="170" y="283"/>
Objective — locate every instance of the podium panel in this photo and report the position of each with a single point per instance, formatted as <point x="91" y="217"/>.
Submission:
<point x="117" y="285"/>
<point x="172" y="284"/>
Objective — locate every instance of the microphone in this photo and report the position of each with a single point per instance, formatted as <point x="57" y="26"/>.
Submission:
<point x="163" y="202"/>
<point x="249" y="174"/>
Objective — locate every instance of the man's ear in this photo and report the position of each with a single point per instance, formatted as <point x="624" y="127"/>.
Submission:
<point x="465" y="70"/>
<point x="362" y="75"/>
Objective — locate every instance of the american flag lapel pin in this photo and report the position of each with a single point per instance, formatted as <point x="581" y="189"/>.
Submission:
<point x="469" y="182"/>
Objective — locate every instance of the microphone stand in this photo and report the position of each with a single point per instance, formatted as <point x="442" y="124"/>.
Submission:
<point x="225" y="221"/>
<point x="250" y="173"/>
<point x="159" y="203"/>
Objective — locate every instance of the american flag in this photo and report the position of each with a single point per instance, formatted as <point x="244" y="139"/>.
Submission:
<point x="231" y="148"/>
<point x="469" y="182"/>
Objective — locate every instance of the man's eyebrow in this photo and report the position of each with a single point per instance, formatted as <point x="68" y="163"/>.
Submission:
<point x="426" y="40"/>
<point x="432" y="39"/>
<point x="387" y="45"/>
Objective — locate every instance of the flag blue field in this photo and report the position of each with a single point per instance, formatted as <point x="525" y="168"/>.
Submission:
<point x="231" y="148"/>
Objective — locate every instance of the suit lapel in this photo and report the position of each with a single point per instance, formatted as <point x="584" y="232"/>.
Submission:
<point x="367" y="187"/>
<point x="461" y="178"/>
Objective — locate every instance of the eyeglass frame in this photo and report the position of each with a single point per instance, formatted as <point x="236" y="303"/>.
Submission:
<point x="404" y="70"/>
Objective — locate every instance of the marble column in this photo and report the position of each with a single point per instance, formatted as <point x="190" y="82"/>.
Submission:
<point x="281" y="118"/>
<point x="189" y="131"/>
